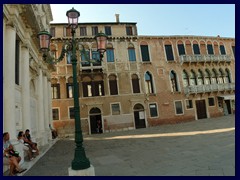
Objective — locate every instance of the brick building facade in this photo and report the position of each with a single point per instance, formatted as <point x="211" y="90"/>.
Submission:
<point x="142" y="81"/>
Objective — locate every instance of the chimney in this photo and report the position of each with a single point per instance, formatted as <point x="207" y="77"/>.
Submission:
<point x="117" y="18"/>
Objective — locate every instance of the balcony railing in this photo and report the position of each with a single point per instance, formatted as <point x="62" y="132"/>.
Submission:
<point x="204" y="58"/>
<point x="209" y="88"/>
<point x="85" y="65"/>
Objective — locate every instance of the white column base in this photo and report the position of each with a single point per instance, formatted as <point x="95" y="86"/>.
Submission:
<point x="84" y="172"/>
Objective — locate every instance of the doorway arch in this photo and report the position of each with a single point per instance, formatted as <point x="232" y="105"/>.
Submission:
<point x="139" y="116"/>
<point x="95" y="114"/>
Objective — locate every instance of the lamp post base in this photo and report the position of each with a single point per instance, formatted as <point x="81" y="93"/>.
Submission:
<point x="83" y="172"/>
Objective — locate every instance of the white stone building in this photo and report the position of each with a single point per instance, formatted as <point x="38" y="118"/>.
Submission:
<point x="26" y="78"/>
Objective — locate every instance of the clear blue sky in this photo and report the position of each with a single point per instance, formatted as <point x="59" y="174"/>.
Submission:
<point x="159" y="19"/>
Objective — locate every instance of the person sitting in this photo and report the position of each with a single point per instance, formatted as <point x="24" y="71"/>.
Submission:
<point x="54" y="132"/>
<point x="28" y="140"/>
<point x="26" y="148"/>
<point x="9" y="159"/>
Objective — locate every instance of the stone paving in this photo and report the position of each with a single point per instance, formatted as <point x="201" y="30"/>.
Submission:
<point x="199" y="148"/>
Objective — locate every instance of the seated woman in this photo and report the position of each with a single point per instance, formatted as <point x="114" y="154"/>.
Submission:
<point x="8" y="159"/>
<point x="28" y="140"/>
<point x="28" y="149"/>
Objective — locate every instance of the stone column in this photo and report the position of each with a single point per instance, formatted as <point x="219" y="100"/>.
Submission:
<point x="49" y="104"/>
<point x="9" y="124"/>
<point x="46" y="108"/>
<point x="25" y="87"/>
<point x="40" y="107"/>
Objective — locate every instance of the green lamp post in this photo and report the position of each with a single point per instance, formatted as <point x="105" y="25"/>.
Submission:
<point x="80" y="160"/>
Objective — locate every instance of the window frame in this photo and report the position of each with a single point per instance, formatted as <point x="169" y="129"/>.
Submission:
<point x="210" y="103"/>
<point x="53" y="86"/>
<point x="119" y="106"/>
<point x="175" y="108"/>
<point x="58" y="112"/>
<point x="156" y="109"/>
<point x="186" y="104"/>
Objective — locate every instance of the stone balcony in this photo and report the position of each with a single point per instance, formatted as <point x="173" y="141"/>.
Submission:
<point x="209" y="88"/>
<point x="204" y="58"/>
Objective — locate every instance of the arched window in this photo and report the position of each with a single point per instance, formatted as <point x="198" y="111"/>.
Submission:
<point x="200" y="77"/>
<point x="135" y="84"/>
<point x="185" y="78"/>
<point x="131" y="53"/>
<point x="144" y="52"/>
<point x="149" y="83"/>
<point x="221" y="76"/>
<point x="228" y="76"/>
<point x="169" y="51"/>
<point x="210" y="48"/>
<point x="70" y="88"/>
<point x="113" y="85"/>
<point x="208" y="76"/>
<point x="196" y="49"/>
<point x="214" y="77"/>
<point x="174" y="84"/>
<point x="193" y="79"/>
<point x="181" y="48"/>
<point x="222" y="49"/>
<point x="110" y="53"/>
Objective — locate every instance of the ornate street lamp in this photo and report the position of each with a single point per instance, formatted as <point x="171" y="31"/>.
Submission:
<point x="80" y="160"/>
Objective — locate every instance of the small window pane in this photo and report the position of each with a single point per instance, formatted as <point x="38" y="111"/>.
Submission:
<point x="115" y="109"/>
<point x="189" y="104"/>
<point x="169" y="52"/>
<point x="181" y="49"/>
<point x="178" y="106"/>
<point x="211" y="102"/>
<point x="153" y="110"/>
<point x="55" y="114"/>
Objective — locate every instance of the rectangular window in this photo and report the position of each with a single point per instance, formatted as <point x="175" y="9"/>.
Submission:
<point x="178" y="107"/>
<point x="108" y="30"/>
<point x="153" y="110"/>
<point x="83" y="31"/>
<point x="115" y="109"/>
<point x="222" y="50"/>
<point x="70" y="90"/>
<point x="181" y="49"/>
<point x="211" y="101"/>
<point x="94" y="30"/>
<point x="52" y="31"/>
<point x="210" y="49"/>
<point x="129" y="31"/>
<point x="71" y="113"/>
<point x="110" y="55"/>
<point x="144" y="53"/>
<point x="196" y="49"/>
<point x="17" y="59"/>
<point x="94" y="88"/>
<point x="189" y="104"/>
<point x="169" y="52"/>
<point x="55" y="91"/>
<point x="55" y="114"/>
<point x="131" y="54"/>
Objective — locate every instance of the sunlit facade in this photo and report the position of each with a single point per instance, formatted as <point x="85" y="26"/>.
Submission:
<point x="142" y="81"/>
